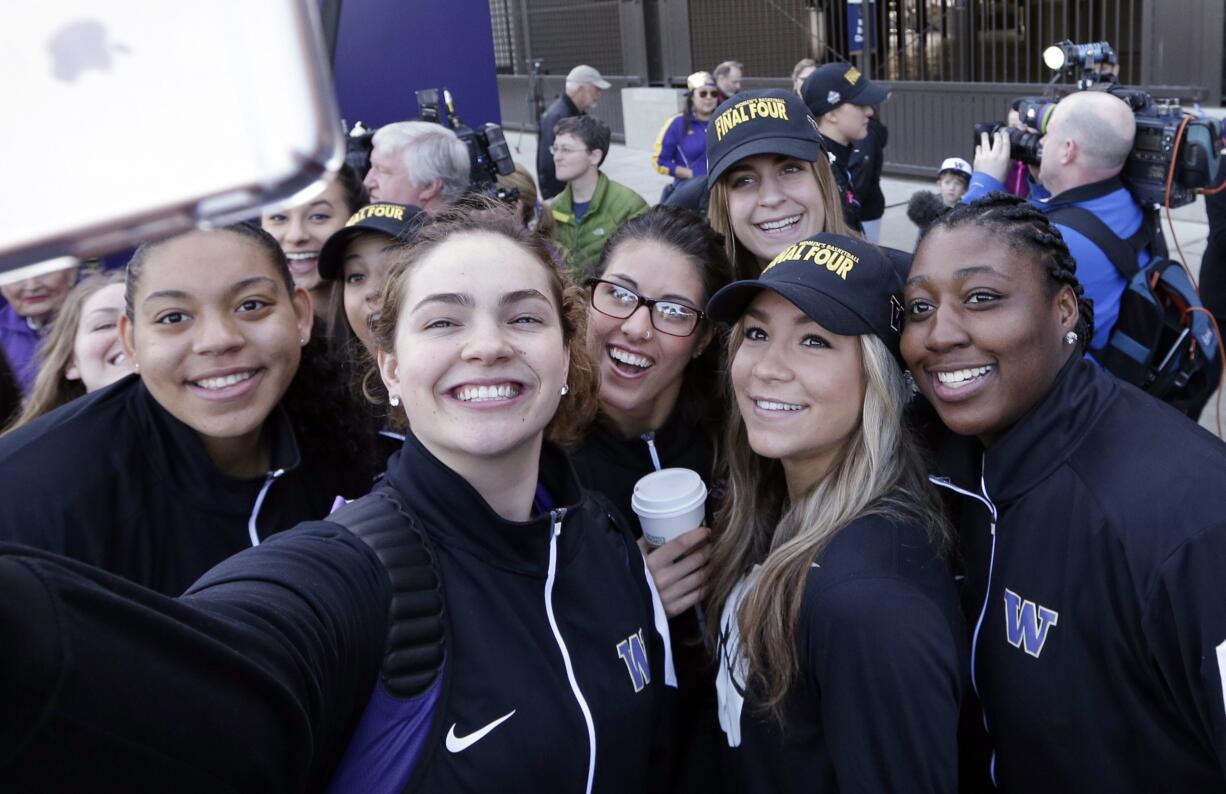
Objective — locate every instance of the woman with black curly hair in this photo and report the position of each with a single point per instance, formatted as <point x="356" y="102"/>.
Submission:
<point x="233" y="428"/>
<point x="1091" y="520"/>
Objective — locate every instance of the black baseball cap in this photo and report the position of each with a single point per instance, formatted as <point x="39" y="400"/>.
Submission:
<point x="760" y="122"/>
<point x="845" y="284"/>
<point x="399" y="221"/>
<point x="835" y="83"/>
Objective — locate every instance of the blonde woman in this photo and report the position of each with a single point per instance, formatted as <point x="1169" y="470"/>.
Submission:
<point x="769" y="179"/>
<point x="840" y="642"/>
<point x="83" y="352"/>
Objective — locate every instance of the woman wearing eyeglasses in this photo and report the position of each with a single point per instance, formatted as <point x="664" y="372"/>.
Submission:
<point x="681" y="148"/>
<point x="658" y="359"/>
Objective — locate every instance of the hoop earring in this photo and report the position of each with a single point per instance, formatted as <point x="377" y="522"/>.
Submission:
<point x="1071" y="338"/>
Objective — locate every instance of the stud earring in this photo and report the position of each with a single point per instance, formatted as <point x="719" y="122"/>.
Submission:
<point x="565" y="390"/>
<point x="301" y="341"/>
<point x="136" y="367"/>
<point x="1070" y="338"/>
<point x="394" y="400"/>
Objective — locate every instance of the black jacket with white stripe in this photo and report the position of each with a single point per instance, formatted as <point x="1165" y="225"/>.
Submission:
<point x="1094" y="538"/>
<point x="114" y="480"/>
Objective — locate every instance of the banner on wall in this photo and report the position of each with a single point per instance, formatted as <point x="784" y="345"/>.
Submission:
<point x="855" y="26"/>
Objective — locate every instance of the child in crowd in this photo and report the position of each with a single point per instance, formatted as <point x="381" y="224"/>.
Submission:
<point x="953" y="179"/>
<point x="952" y="182"/>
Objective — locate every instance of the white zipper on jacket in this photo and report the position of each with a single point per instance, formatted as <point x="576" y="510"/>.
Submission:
<point x="556" y="521"/>
<point x="986" y="500"/>
<point x="650" y="438"/>
<point x="269" y="479"/>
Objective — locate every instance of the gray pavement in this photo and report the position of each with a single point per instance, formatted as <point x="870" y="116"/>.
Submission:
<point x="632" y="167"/>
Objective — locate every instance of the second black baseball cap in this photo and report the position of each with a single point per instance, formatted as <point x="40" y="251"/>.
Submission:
<point x="844" y="284"/>
<point x="760" y="122"/>
<point x="399" y="221"/>
<point x="835" y="83"/>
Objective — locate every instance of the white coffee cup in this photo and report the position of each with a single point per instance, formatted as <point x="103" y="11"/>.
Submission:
<point x="669" y="502"/>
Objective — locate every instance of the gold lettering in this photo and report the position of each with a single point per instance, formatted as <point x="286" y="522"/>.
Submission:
<point x="845" y="267"/>
<point x="823" y="256"/>
<point x="747" y="110"/>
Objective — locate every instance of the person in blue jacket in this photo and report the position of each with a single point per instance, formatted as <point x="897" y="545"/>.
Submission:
<point x="681" y="148"/>
<point x="1091" y="520"/>
<point x="1086" y="143"/>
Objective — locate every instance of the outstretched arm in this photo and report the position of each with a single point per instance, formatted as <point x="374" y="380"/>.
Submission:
<point x="250" y="682"/>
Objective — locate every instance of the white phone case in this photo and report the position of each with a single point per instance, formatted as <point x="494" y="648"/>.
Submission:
<point x="129" y="120"/>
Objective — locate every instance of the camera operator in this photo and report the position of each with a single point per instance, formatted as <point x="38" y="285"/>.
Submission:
<point x="1088" y="140"/>
<point x="418" y="163"/>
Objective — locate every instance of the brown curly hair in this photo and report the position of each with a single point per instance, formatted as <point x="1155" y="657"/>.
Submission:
<point x="578" y="408"/>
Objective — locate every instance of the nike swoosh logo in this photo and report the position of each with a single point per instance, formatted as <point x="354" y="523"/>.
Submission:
<point x="458" y="744"/>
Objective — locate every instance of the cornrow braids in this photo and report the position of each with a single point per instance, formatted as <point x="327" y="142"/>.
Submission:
<point x="1026" y="226"/>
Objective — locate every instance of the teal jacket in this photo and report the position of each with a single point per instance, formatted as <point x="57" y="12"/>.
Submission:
<point x="612" y="205"/>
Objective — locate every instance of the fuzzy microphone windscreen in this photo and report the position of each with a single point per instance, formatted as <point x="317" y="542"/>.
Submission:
<point x="925" y="207"/>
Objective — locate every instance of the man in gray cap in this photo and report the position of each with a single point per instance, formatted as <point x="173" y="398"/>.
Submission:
<point x="584" y="85"/>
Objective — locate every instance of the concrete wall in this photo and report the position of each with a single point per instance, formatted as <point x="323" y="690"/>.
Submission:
<point x="645" y="111"/>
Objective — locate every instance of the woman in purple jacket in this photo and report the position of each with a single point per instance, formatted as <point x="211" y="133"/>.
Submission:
<point x="681" y="149"/>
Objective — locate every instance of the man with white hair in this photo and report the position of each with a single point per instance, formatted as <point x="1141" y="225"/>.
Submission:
<point x="584" y="85"/>
<point x="418" y="163"/>
<point x="1088" y="139"/>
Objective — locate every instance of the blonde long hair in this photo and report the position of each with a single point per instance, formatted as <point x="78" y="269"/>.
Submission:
<point x="746" y="264"/>
<point x="879" y="471"/>
<point x="51" y="388"/>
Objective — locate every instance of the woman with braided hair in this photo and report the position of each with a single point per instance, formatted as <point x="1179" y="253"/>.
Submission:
<point x="1090" y="518"/>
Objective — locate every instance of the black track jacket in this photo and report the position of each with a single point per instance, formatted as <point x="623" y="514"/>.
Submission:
<point x="1094" y="537"/>
<point x="113" y="480"/>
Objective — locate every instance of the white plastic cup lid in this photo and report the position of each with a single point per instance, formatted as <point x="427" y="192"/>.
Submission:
<point x="668" y="491"/>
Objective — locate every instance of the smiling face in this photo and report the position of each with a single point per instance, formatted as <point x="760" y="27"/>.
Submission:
<point x="365" y="265"/>
<point x="773" y="202"/>
<point x="799" y="388"/>
<point x="302" y="231"/>
<point x="97" y="352"/>
<point x="479" y="359"/>
<point x="984" y="331"/>
<point x="642" y="368"/>
<point x="215" y="334"/>
<point x="39" y="298"/>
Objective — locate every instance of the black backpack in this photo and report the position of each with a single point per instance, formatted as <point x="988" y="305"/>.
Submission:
<point x="1163" y="341"/>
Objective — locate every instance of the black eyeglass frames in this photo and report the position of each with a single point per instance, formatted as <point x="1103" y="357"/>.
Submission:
<point x="668" y="317"/>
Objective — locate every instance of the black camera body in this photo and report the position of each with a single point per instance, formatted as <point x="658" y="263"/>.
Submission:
<point x="1198" y="163"/>
<point x="488" y="151"/>
<point x="1023" y="145"/>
